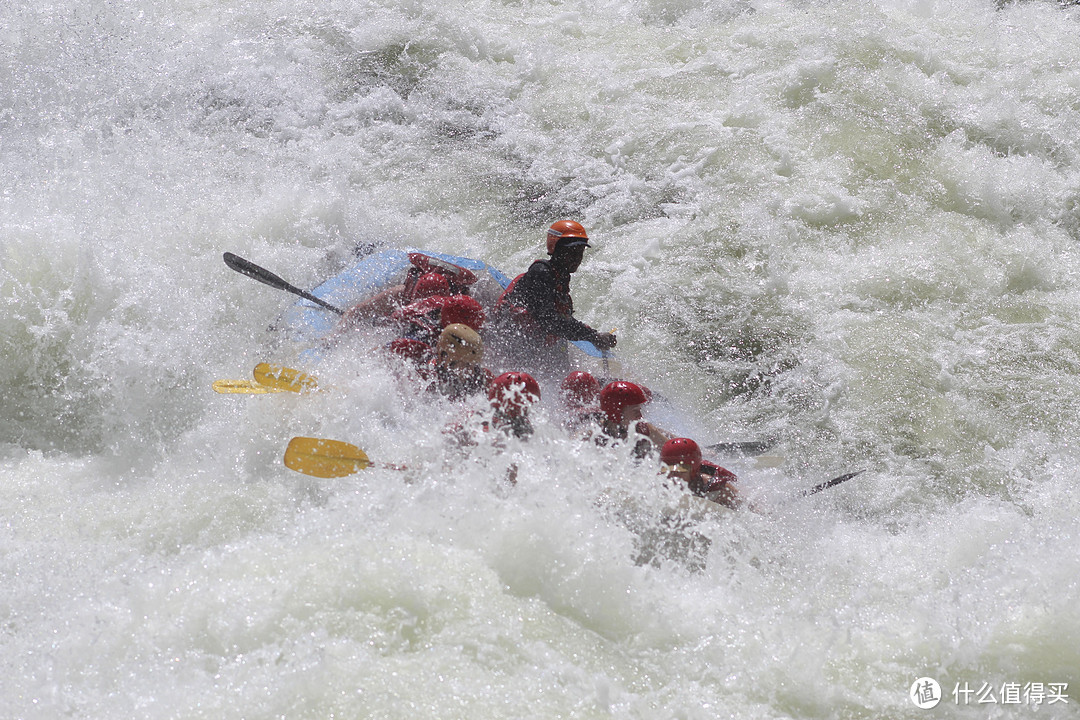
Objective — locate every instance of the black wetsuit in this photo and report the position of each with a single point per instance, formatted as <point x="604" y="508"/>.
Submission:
<point x="542" y="294"/>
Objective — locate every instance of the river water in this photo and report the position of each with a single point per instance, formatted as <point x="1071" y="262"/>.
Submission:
<point x="849" y="226"/>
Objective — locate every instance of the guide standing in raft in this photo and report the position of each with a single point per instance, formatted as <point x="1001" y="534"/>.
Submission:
<point x="535" y="314"/>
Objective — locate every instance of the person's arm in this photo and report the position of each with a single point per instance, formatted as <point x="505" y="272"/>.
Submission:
<point x="726" y="495"/>
<point x="649" y="438"/>
<point x="655" y="434"/>
<point x="719" y="485"/>
<point x="377" y="306"/>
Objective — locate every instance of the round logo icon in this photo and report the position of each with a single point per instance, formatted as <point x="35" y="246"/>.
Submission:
<point x="925" y="693"/>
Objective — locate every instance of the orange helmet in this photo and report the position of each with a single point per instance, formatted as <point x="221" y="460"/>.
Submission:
<point x="566" y="233"/>
<point x="619" y="395"/>
<point x="682" y="451"/>
<point x="429" y="285"/>
<point x="512" y="392"/>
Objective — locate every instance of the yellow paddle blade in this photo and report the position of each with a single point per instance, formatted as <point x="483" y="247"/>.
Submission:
<point x="324" y="458"/>
<point x="249" y="387"/>
<point x="284" y="378"/>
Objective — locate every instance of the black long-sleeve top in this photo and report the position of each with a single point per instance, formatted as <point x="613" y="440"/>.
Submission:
<point x="543" y="292"/>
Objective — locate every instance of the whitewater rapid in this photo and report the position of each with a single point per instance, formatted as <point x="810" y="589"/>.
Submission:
<point x="848" y="226"/>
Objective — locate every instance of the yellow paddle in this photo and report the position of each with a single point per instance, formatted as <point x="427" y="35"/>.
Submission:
<point x="329" y="458"/>
<point x="249" y="387"/>
<point x="269" y="379"/>
<point x="284" y="378"/>
<point x="324" y="458"/>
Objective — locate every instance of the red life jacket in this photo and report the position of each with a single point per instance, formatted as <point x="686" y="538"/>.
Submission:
<point x="717" y="475"/>
<point x="422" y="317"/>
<point x="712" y="482"/>
<point x="503" y="304"/>
<point x="415" y="351"/>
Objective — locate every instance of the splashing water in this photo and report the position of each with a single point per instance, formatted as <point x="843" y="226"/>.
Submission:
<point x="849" y="226"/>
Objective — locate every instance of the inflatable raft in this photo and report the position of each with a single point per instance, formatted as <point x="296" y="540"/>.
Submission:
<point x="308" y="323"/>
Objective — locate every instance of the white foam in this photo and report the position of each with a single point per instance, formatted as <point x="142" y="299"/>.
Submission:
<point x="848" y="226"/>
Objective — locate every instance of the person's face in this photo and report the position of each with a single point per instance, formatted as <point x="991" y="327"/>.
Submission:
<point x="631" y="413"/>
<point x="570" y="258"/>
<point x="457" y="365"/>
<point x="680" y="471"/>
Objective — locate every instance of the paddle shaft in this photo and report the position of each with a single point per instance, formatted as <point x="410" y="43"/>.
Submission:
<point x="829" y="483"/>
<point x="605" y="354"/>
<point x="246" y="267"/>
<point x="249" y="387"/>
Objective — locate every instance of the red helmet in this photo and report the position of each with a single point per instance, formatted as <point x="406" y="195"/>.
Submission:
<point x="429" y="285"/>
<point x="459" y="278"/>
<point x="513" y="392"/>
<point x="580" y="388"/>
<point x="619" y="395"/>
<point x="682" y="451"/>
<point x="462" y="309"/>
<point x="566" y="233"/>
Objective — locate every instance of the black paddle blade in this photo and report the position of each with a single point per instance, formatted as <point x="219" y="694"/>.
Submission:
<point x="829" y="483"/>
<point x="246" y="267"/>
<point x="253" y="271"/>
<point x="750" y="447"/>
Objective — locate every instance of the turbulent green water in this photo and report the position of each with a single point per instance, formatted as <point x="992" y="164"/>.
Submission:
<point x="850" y="226"/>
